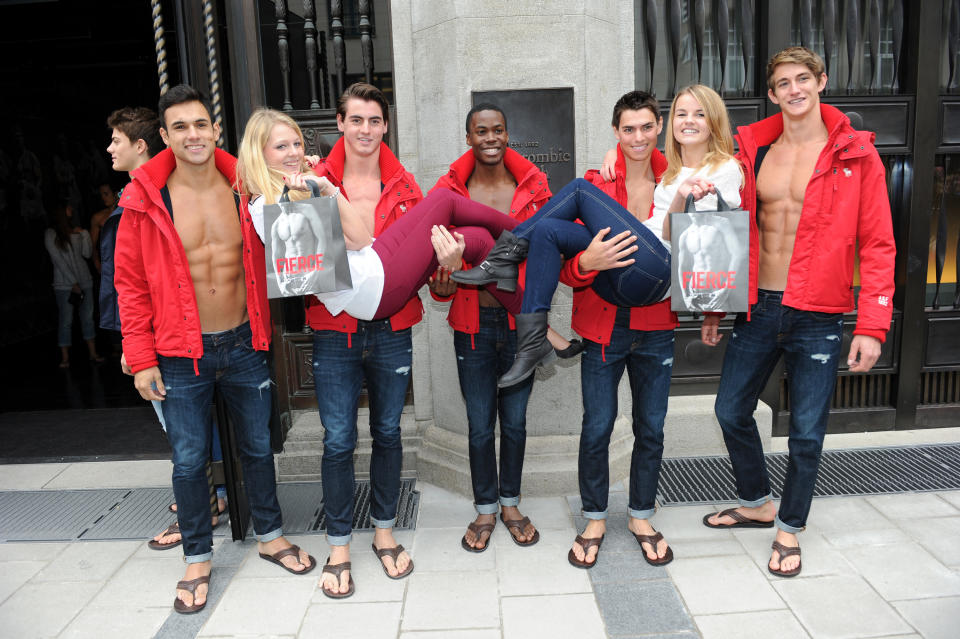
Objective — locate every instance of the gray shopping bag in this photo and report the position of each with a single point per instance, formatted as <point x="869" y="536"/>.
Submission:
<point x="305" y="250"/>
<point x="710" y="253"/>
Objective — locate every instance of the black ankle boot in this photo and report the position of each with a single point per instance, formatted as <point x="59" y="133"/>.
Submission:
<point x="533" y="349"/>
<point x="576" y="347"/>
<point x="500" y="265"/>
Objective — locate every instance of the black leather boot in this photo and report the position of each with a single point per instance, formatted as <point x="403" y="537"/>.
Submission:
<point x="500" y="265"/>
<point x="533" y="349"/>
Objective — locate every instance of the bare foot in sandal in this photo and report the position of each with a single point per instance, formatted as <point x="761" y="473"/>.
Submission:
<point x="290" y="562"/>
<point x="643" y="528"/>
<point x="478" y="533"/>
<point x="596" y="529"/>
<point x="383" y="538"/>
<point x="195" y="600"/>
<point x="524" y="533"/>
<point x="328" y="581"/>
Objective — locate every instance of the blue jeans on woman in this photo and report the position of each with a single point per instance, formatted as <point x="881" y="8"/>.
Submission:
<point x="231" y="364"/>
<point x="811" y="345"/>
<point x="341" y="362"/>
<point x="647" y="357"/>
<point x="554" y="235"/>
<point x="65" y="311"/>
<point x="481" y="359"/>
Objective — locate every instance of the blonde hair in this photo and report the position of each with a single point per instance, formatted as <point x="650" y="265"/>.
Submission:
<point x="720" y="143"/>
<point x="254" y="177"/>
<point x="795" y="55"/>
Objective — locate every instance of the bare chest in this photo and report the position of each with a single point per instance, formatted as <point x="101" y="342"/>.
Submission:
<point x="364" y="195"/>
<point x="640" y="197"/>
<point x="497" y="196"/>
<point x="785" y="174"/>
<point x="206" y="222"/>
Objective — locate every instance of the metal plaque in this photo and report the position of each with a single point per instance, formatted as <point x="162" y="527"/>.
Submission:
<point x="541" y="127"/>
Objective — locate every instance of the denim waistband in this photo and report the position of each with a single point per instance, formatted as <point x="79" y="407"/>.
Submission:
<point x="371" y="324"/>
<point x="221" y="337"/>
<point x="771" y="295"/>
<point x="493" y="311"/>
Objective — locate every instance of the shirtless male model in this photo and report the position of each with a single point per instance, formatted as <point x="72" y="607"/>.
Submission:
<point x="816" y="189"/>
<point x="194" y="316"/>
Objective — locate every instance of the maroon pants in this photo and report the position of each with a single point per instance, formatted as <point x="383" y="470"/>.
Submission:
<point x="409" y="259"/>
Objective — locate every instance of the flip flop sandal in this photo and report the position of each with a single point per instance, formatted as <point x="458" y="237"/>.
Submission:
<point x="191" y="587"/>
<point x="784" y="552"/>
<point x="519" y="525"/>
<point x="173" y="508"/>
<point x="336" y="571"/>
<point x="287" y="552"/>
<point x="653" y="540"/>
<point x="741" y="521"/>
<point x="173" y="529"/>
<point x="393" y="553"/>
<point x="477" y="530"/>
<point x="586" y="544"/>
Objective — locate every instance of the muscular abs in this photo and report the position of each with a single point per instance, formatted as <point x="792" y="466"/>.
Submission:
<point x="209" y="228"/>
<point x="781" y="185"/>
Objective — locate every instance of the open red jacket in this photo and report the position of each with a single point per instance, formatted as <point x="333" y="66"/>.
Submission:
<point x="531" y="193"/>
<point x="399" y="193"/>
<point x="845" y="205"/>
<point x="158" y="306"/>
<point x="593" y="317"/>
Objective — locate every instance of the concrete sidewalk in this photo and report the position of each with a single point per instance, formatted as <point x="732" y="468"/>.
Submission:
<point x="879" y="566"/>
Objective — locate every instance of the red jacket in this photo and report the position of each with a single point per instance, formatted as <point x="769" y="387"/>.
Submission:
<point x="399" y="193"/>
<point x="158" y="306"/>
<point x="593" y="317"/>
<point x="532" y="192"/>
<point x="845" y="205"/>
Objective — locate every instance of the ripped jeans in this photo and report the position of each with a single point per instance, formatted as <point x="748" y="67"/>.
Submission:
<point x="341" y="363"/>
<point x="811" y="345"/>
<point x="230" y="364"/>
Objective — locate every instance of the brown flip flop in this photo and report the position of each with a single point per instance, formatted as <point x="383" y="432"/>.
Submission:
<point x="653" y="540"/>
<point x="477" y="530"/>
<point x="586" y="544"/>
<point x="393" y="553"/>
<point x="784" y="552"/>
<point x="172" y="529"/>
<point x="740" y="520"/>
<point x="191" y="587"/>
<point x="286" y="552"/>
<point x="336" y="571"/>
<point x="520" y="524"/>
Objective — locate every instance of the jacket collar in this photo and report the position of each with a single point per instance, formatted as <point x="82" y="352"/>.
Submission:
<point x="337" y="159"/>
<point x="767" y="131"/>
<point x="658" y="163"/>
<point x="157" y="171"/>
<point x="518" y="166"/>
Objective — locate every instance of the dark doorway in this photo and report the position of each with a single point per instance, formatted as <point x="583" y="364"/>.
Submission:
<point x="64" y="67"/>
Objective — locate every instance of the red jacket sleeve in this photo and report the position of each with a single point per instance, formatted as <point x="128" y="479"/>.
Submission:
<point x="133" y="297"/>
<point x="877" y="251"/>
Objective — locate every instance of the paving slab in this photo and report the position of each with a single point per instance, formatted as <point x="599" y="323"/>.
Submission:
<point x="712" y="585"/>
<point x="441" y="600"/>
<point x="840" y="607"/>
<point x="541" y="569"/>
<point x="751" y="625"/>
<point x="625" y="567"/>
<point x="934" y="618"/>
<point x="951" y="497"/>
<point x="904" y="571"/>
<point x="841" y="514"/>
<point x="143" y="583"/>
<point x="912" y="505"/>
<point x="105" y="623"/>
<point x="88" y="561"/>
<point x="642" y="608"/>
<point x="552" y="617"/>
<point x="348" y="619"/>
<point x="486" y="633"/>
<point x="546" y="513"/>
<point x="14" y="574"/>
<point x="29" y="476"/>
<point x="441" y="508"/>
<point x="244" y="608"/>
<point x="117" y="474"/>
<point x="28" y="612"/>
<point x="686" y="522"/>
<point x="938" y="535"/>
<point x="445" y="553"/>
<point x="711" y="546"/>
<point x="33" y="551"/>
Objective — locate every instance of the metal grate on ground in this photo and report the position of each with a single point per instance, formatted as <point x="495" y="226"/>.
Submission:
<point x="140" y="513"/>
<point x="869" y="471"/>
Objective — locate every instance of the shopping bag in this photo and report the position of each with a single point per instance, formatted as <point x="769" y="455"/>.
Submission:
<point x="710" y="259"/>
<point x="305" y="251"/>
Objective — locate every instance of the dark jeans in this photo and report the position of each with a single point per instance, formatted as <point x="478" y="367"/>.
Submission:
<point x="340" y="364"/>
<point x="229" y="364"/>
<point x="647" y="357"/>
<point x="810" y="343"/>
<point x="480" y="362"/>
<point x="554" y="236"/>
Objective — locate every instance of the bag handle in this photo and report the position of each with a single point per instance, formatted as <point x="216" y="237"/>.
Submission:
<point x="314" y="191"/>
<point x="689" y="206"/>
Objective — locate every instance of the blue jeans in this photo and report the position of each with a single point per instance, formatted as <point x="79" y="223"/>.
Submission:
<point x="647" y="357"/>
<point x="230" y="364"/>
<point x="383" y="357"/>
<point x="554" y="235"/>
<point x="65" y="316"/>
<point x="810" y="343"/>
<point x="479" y="364"/>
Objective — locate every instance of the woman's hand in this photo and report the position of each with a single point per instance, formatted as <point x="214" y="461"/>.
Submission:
<point x="298" y="182"/>
<point x="448" y="247"/>
<point x="312" y="160"/>
<point x="697" y="186"/>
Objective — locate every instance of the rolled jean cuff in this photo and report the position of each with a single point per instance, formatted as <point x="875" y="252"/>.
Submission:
<point x="641" y="514"/>
<point x="487" y="509"/>
<point x="793" y="530"/>
<point x="756" y="502"/>
<point x="510" y="501"/>
<point x="592" y="515"/>
<point x="198" y="559"/>
<point x="339" y="540"/>
<point x="383" y="523"/>
<point x="270" y="536"/>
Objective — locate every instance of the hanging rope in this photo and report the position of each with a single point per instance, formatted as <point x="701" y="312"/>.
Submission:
<point x="161" y="45"/>
<point x="213" y="76"/>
